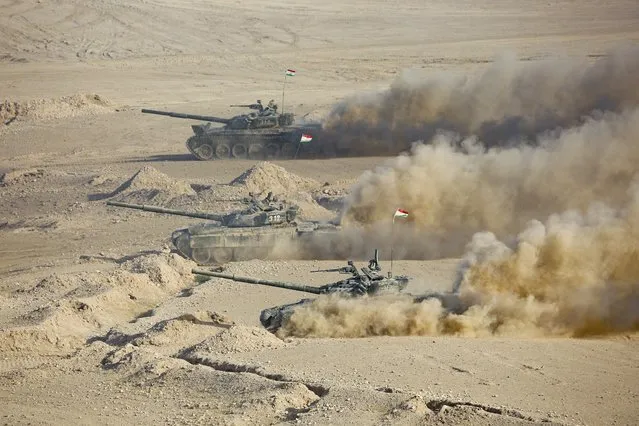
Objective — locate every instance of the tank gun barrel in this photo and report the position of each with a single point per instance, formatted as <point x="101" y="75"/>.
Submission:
<point x="252" y="106"/>
<point x="349" y="269"/>
<point x="280" y="284"/>
<point x="188" y="116"/>
<point x="208" y="216"/>
<point x="342" y="270"/>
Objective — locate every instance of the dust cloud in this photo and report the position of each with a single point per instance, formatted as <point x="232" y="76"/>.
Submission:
<point x="551" y="149"/>
<point x="78" y="104"/>
<point x="455" y="193"/>
<point x="451" y="195"/>
<point x="574" y="143"/>
<point x="510" y="103"/>
<point x="575" y="275"/>
<point x="502" y="189"/>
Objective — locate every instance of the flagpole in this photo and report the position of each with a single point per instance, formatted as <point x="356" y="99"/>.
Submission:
<point x="400" y="213"/>
<point x="283" y="88"/>
<point x="392" y="244"/>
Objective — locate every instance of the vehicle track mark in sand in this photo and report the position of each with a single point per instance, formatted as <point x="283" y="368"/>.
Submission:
<point x="15" y="7"/>
<point x="529" y="369"/>
<point x="438" y="405"/>
<point x="230" y="367"/>
<point x="460" y="370"/>
<point x="20" y="363"/>
<point x="295" y="38"/>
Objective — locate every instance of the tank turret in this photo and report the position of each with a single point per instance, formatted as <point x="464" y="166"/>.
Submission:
<point x="266" y="212"/>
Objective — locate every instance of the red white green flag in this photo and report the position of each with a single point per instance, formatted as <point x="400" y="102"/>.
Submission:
<point x="400" y="213"/>
<point x="306" y="138"/>
<point x="290" y="72"/>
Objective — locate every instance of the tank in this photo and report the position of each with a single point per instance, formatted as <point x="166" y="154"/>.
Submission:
<point x="244" y="234"/>
<point x="265" y="134"/>
<point x="366" y="282"/>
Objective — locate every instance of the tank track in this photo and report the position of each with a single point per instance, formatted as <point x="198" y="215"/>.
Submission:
<point x="215" y="255"/>
<point x="258" y="146"/>
<point x="220" y="255"/>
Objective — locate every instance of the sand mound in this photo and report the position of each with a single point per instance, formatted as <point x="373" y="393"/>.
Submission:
<point x="21" y="176"/>
<point x="414" y="406"/>
<point x="236" y="339"/>
<point x="284" y="398"/>
<point x="251" y="396"/>
<point x="38" y="341"/>
<point x="309" y="208"/>
<point x="162" y="269"/>
<point x="51" y="286"/>
<point x="75" y="306"/>
<point x="173" y="334"/>
<point x="133" y="359"/>
<point x="265" y="177"/>
<point x="50" y="109"/>
<point x="151" y="185"/>
<point x="445" y="411"/>
<point x="170" y="332"/>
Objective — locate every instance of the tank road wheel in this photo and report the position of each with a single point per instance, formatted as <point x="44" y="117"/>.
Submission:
<point x="256" y="151"/>
<point x="204" y="151"/>
<point x="288" y="150"/>
<point x="239" y="150"/>
<point x="261" y="253"/>
<point x="221" y="255"/>
<point x="272" y="150"/>
<point x="249" y="253"/>
<point x="222" y="150"/>
<point x="241" y="253"/>
<point x="201" y="255"/>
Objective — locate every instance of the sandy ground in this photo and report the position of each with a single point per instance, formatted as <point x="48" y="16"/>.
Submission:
<point x="100" y="323"/>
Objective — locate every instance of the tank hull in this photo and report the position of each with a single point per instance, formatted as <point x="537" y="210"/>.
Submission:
<point x="257" y="144"/>
<point x="208" y="244"/>
<point x="272" y="319"/>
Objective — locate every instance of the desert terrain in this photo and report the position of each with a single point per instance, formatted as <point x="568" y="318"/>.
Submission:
<point x="507" y="129"/>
